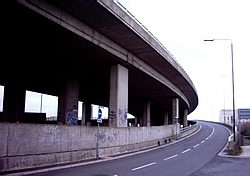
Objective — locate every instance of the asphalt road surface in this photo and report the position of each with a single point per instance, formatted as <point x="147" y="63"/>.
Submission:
<point x="179" y="159"/>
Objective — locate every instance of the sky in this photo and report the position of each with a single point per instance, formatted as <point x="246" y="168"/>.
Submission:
<point x="181" y="26"/>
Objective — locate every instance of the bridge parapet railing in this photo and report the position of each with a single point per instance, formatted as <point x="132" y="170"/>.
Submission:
<point x="145" y="28"/>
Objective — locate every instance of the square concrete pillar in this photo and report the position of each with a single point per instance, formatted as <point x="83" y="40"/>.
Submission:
<point x="86" y="113"/>
<point x="146" y="114"/>
<point x="185" y="122"/>
<point x="13" y="104"/>
<point x="166" y="118"/>
<point x="68" y="103"/>
<point x="118" y="98"/>
<point x="175" y="110"/>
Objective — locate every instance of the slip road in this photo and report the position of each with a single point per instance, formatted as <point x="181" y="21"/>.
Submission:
<point x="181" y="158"/>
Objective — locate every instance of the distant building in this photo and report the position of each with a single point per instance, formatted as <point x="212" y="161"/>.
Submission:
<point x="241" y="115"/>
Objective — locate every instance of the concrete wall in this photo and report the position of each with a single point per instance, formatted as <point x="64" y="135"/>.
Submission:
<point x="34" y="145"/>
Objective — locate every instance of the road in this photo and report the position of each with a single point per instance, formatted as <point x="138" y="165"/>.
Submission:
<point x="181" y="158"/>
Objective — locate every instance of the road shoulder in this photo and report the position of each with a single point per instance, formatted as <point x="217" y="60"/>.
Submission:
<point x="225" y="166"/>
<point x="245" y="153"/>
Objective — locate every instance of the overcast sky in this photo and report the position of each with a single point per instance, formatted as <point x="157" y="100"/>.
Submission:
<point x="181" y="26"/>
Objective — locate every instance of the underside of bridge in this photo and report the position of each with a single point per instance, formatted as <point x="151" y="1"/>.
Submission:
<point x="40" y="55"/>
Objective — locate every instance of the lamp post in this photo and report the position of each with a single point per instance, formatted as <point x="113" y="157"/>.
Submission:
<point x="232" y="82"/>
<point x="224" y="99"/>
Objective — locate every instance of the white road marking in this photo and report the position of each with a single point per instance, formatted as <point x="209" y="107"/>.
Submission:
<point x="196" y="145"/>
<point x="208" y="136"/>
<point x="212" y="131"/>
<point x="186" y="150"/>
<point x="171" y="157"/>
<point x="150" y="164"/>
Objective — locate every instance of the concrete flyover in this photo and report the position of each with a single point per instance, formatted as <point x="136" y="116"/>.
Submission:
<point x="90" y="51"/>
<point x="55" y="47"/>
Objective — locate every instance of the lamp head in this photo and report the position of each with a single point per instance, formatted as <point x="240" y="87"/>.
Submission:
<point x="209" y="40"/>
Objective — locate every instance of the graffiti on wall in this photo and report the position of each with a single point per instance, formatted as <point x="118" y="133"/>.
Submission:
<point x="112" y="117"/>
<point x="50" y="129"/>
<point x="109" y="138"/>
<point x="49" y="134"/>
<point x="72" y="117"/>
<point x="123" y="116"/>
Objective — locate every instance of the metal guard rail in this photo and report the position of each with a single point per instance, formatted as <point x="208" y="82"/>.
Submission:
<point x="182" y="130"/>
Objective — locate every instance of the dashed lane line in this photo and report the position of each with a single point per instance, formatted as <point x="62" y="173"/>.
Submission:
<point x="185" y="151"/>
<point x="141" y="167"/>
<point x="176" y="155"/>
<point x="196" y="145"/>
<point x="170" y="157"/>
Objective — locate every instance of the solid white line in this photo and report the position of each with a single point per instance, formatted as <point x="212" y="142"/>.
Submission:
<point x="222" y="150"/>
<point x="150" y="164"/>
<point x="196" y="145"/>
<point x="171" y="157"/>
<point x="186" y="150"/>
<point x="212" y="131"/>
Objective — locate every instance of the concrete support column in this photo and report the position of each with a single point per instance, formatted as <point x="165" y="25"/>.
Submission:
<point x="86" y="113"/>
<point x="118" y="100"/>
<point x="185" y="122"/>
<point x="146" y="114"/>
<point x="68" y="103"/>
<point x="139" y="120"/>
<point x="166" y="118"/>
<point x="175" y="109"/>
<point x="14" y="103"/>
<point x="136" y="121"/>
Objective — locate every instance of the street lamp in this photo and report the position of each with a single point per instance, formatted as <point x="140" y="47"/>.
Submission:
<point x="232" y="82"/>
